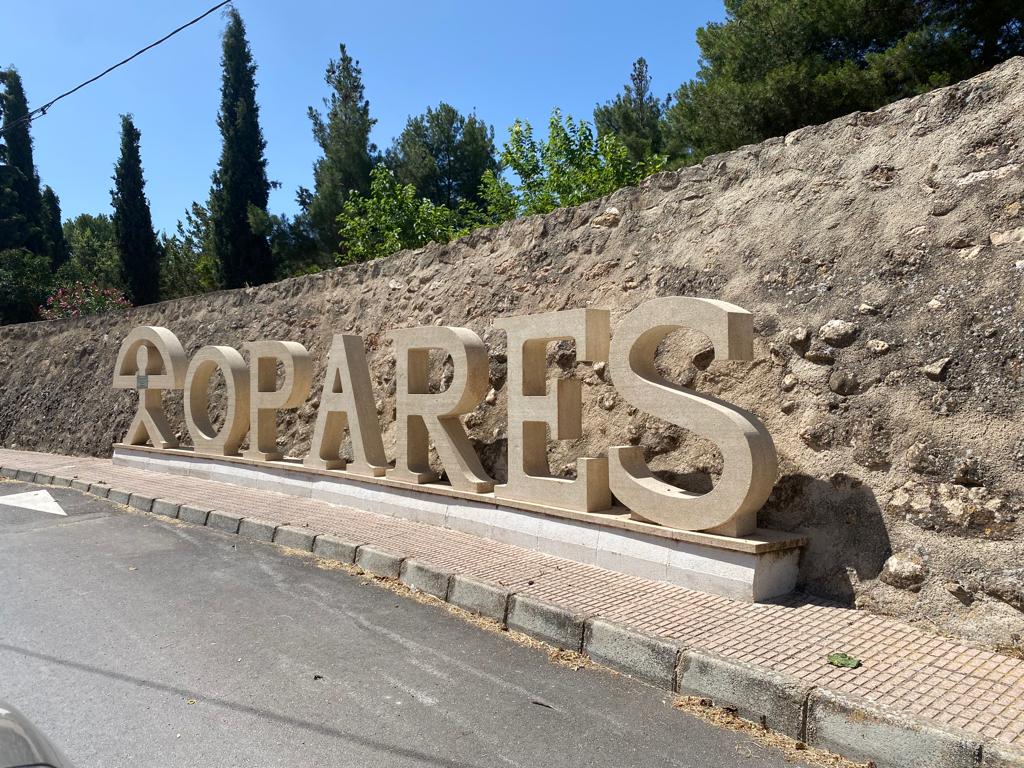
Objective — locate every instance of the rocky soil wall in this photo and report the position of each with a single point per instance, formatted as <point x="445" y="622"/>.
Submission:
<point x="882" y="255"/>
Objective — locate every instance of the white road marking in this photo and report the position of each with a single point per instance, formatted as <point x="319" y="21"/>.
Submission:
<point x="40" y="501"/>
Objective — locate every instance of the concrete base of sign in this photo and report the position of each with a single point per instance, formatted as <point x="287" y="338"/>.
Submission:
<point x="756" y="567"/>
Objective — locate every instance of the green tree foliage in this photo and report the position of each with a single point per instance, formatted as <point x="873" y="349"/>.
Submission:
<point x="24" y="283"/>
<point x="94" y="255"/>
<point x="635" y="116"/>
<point x="240" y="184"/>
<point x="571" y="167"/>
<point x="776" y="65"/>
<point x="444" y="155"/>
<point x="22" y="199"/>
<point x="189" y="266"/>
<point x="343" y="133"/>
<point x="53" y="230"/>
<point x="133" y="223"/>
<point x="392" y="217"/>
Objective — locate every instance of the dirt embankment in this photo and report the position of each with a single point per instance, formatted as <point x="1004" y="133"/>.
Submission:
<point x="882" y="255"/>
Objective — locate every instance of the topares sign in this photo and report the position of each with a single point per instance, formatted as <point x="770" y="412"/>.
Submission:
<point x="152" y="360"/>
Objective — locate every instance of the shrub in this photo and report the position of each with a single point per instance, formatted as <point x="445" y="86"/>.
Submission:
<point x="80" y="299"/>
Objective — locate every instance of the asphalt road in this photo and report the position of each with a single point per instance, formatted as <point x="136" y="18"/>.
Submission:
<point x="136" y="642"/>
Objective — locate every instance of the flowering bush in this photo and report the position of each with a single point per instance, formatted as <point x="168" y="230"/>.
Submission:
<point x="78" y="299"/>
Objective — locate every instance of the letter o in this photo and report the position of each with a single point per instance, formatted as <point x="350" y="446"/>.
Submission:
<point x="205" y="438"/>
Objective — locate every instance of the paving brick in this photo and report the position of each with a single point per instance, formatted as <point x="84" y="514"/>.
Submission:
<point x="774" y="701"/>
<point x="191" y="514"/>
<point x="479" y="597"/>
<point x="425" y="578"/>
<point x="861" y="730"/>
<point x="165" y="508"/>
<point x="379" y="561"/>
<point x="256" y="529"/>
<point x="335" y="548"/>
<point x="223" y="521"/>
<point x="645" y="657"/>
<point x="295" y="537"/>
<point x="555" y="624"/>
<point x="140" y="502"/>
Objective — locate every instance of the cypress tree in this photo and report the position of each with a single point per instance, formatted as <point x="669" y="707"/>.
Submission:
<point x="343" y="133"/>
<point x="53" y="229"/>
<point x="133" y="223"/>
<point x="240" y="186"/>
<point x="23" y="200"/>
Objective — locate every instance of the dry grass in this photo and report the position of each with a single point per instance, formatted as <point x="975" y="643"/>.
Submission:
<point x="794" y="751"/>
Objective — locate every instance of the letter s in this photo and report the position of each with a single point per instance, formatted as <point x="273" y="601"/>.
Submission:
<point x="750" y="462"/>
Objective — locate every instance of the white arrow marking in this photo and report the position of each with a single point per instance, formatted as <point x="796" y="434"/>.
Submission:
<point x="40" y="501"/>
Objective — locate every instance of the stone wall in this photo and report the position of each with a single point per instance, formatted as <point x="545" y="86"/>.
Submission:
<point x="882" y="255"/>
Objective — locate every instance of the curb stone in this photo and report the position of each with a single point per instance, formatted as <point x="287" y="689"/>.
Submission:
<point x="80" y="485"/>
<point x="9" y="472"/>
<point x="256" y="529"/>
<point x="223" y="521"/>
<point x="142" y="503"/>
<point x="425" y="578"/>
<point x="294" y="537"/>
<point x="861" y="730"/>
<point x="62" y="482"/>
<point x="43" y="479"/>
<point x="335" y="548"/>
<point x="479" y="597"/>
<point x="97" y="489"/>
<point x="116" y="495"/>
<point x="25" y="476"/>
<point x="379" y="562"/>
<point x="757" y="694"/>
<point x="1001" y="756"/>
<point x="644" y="657"/>
<point x="165" y="508"/>
<point x="547" y="621"/>
<point x="192" y="514"/>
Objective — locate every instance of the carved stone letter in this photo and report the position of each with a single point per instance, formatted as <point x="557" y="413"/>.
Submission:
<point x="265" y="399"/>
<point x="347" y="401"/>
<point x="197" y="400"/>
<point x="422" y="415"/>
<point x="151" y="359"/>
<point x="532" y="409"/>
<point x="748" y="453"/>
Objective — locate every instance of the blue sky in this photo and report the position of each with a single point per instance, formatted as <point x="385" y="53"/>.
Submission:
<point x="502" y="60"/>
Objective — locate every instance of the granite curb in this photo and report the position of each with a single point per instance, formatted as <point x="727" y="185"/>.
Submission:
<point x="856" y="728"/>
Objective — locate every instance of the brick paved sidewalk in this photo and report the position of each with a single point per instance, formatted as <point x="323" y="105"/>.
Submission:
<point x="904" y="668"/>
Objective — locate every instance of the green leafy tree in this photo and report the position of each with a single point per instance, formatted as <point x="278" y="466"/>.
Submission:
<point x="133" y="223"/>
<point x="189" y="266"/>
<point x="635" y="116"/>
<point x="53" y="230"/>
<point x="571" y="167"/>
<point x="444" y="155"/>
<point x="95" y="258"/>
<point x="240" y="184"/>
<point x="21" y="205"/>
<point x="392" y="217"/>
<point x="776" y="65"/>
<point x="24" y="282"/>
<point x="343" y="133"/>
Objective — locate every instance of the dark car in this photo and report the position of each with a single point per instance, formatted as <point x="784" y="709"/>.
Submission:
<point x="22" y="745"/>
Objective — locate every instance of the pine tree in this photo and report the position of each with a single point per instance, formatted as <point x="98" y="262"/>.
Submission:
<point x="22" y="198"/>
<point x="53" y="229"/>
<point x="343" y="133"/>
<point x="444" y="155"/>
<point x="635" y="116"/>
<point x="240" y="186"/>
<point x="133" y="223"/>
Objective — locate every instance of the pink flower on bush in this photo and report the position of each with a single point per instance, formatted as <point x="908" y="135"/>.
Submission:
<point x="81" y="299"/>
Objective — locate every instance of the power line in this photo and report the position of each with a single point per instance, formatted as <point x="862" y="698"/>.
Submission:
<point x="40" y="111"/>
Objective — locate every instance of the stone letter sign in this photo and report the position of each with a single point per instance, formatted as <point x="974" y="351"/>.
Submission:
<point x="152" y="360"/>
